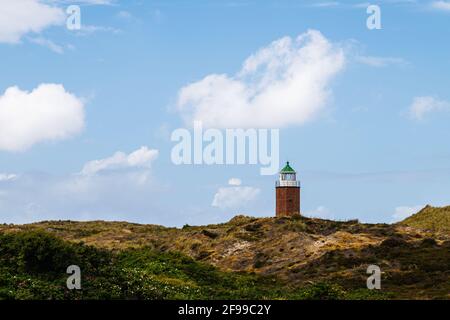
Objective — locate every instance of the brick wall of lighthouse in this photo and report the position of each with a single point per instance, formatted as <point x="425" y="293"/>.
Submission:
<point x="287" y="201"/>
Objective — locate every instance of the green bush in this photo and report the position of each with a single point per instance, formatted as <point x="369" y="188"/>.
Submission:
<point x="321" y="291"/>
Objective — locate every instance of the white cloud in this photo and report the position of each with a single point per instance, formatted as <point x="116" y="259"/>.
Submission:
<point x="7" y="177"/>
<point x="234" y="182"/>
<point x="123" y="191"/>
<point x="18" y="18"/>
<point x="441" y="5"/>
<point x="48" y="112"/>
<point x="141" y="158"/>
<point x="320" y="212"/>
<point x="421" y="106"/>
<point x="117" y="195"/>
<point x="404" y="212"/>
<point x="381" y="61"/>
<point x="48" y="44"/>
<point x="285" y="83"/>
<point x="234" y="196"/>
<point x="90" y="29"/>
<point x="326" y="4"/>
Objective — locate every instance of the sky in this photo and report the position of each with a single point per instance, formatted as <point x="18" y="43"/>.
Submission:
<point x="87" y="114"/>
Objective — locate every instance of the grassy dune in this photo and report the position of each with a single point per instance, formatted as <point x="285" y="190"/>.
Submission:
<point x="430" y="218"/>
<point x="245" y="258"/>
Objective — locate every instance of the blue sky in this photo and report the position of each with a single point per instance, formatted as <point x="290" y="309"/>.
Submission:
<point x="376" y="149"/>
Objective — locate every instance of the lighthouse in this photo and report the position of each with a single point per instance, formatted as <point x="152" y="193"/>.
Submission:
<point x="287" y="193"/>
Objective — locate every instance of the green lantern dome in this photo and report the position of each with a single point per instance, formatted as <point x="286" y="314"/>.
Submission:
<point x="287" y="169"/>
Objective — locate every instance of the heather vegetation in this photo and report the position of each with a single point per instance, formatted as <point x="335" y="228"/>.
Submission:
<point x="245" y="258"/>
<point x="430" y="218"/>
<point x="33" y="266"/>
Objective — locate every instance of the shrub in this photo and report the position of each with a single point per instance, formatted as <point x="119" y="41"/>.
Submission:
<point x="210" y="234"/>
<point x="36" y="252"/>
<point x="260" y="260"/>
<point x="428" y="242"/>
<point x="393" y="242"/>
<point x="321" y="291"/>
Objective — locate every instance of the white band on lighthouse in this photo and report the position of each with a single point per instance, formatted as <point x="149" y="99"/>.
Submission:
<point x="287" y="183"/>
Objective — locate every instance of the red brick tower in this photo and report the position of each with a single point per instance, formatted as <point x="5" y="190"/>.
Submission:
<point x="287" y="193"/>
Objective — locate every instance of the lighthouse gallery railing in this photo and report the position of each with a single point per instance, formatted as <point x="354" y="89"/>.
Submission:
<point x="287" y="183"/>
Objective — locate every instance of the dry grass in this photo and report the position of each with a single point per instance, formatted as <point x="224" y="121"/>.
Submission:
<point x="298" y="250"/>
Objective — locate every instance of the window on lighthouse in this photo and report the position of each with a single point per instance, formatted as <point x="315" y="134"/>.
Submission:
<point x="288" y="177"/>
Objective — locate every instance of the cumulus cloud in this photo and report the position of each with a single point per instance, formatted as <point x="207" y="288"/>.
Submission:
<point x="285" y="83"/>
<point x="48" y="112"/>
<point x="441" y="5"/>
<point x="18" y="18"/>
<point x="141" y="158"/>
<point x="422" y="106"/>
<point x="404" y="212"/>
<point x="114" y="196"/>
<point x="120" y="190"/>
<point x="234" y="196"/>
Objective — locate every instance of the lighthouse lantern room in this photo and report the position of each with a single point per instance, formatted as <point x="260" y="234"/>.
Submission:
<point x="287" y="193"/>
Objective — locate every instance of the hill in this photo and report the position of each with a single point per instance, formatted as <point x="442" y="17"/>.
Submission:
<point x="430" y="218"/>
<point x="283" y="258"/>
